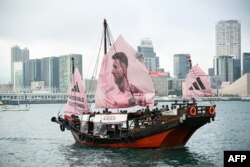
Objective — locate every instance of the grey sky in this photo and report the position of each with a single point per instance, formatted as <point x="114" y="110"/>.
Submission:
<point x="56" y="27"/>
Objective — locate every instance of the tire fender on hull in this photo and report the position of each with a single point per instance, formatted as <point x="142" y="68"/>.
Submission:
<point x="62" y="128"/>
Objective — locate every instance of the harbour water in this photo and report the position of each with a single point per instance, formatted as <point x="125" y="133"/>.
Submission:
<point x="29" y="138"/>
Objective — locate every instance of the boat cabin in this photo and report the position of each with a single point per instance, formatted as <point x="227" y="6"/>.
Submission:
<point x="104" y="125"/>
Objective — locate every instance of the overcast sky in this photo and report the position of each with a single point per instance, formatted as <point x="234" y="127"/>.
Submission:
<point x="57" y="27"/>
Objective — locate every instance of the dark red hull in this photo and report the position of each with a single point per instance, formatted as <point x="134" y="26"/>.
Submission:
<point x="172" y="137"/>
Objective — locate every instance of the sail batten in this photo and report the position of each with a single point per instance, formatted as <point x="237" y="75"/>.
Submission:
<point x="197" y="84"/>
<point x="123" y="80"/>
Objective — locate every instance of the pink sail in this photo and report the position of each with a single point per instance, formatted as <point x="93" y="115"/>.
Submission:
<point x="123" y="81"/>
<point x="197" y="84"/>
<point x="77" y="101"/>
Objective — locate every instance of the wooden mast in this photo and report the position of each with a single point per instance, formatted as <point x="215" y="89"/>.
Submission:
<point x="105" y="35"/>
<point x="72" y="65"/>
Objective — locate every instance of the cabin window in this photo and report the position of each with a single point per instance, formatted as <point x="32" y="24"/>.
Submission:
<point x="100" y="129"/>
<point x="84" y="127"/>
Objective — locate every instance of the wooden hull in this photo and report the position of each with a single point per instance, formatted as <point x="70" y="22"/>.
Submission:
<point x="171" y="137"/>
<point x="165" y="131"/>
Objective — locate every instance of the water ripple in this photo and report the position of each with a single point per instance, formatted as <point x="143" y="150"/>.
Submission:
<point x="38" y="142"/>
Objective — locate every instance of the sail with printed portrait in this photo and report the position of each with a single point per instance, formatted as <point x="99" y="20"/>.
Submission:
<point x="123" y="81"/>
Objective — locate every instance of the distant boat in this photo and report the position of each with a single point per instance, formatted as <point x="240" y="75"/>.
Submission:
<point x="120" y="124"/>
<point x="16" y="107"/>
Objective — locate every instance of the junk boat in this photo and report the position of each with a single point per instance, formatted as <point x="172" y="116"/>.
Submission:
<point x="124" y="114"/>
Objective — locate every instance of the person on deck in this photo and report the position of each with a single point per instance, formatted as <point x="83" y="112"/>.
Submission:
<point x="148" y="113"/>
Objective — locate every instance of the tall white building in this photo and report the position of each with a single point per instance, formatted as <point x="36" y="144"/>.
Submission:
<point x="228" y="38"/>
<point x="146" y="50"/>
<point x="228" y="43"/>
<point x="18" y="55"/>
<point x="17" y="76"/>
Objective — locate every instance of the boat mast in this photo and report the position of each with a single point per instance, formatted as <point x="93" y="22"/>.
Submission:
<point x="190" y="63"/>
<point x="105" y="25"/>
<point x="73" y="65"/>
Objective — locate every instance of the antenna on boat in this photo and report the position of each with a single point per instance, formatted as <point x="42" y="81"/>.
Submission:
<point x="105" y="25"/>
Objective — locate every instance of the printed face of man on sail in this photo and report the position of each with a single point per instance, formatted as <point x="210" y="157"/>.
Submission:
<point x="119" y="71"/>
<point x="120" y="65"/>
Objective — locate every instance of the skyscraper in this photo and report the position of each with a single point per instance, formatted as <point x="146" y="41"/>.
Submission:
<point x="65" y="69"/>
<point x="17" y="75"/>
<point x="181" y="65"/>
<point x="228" y="38"/>
<point x="236" y="69"/>
<point x="211" y="71"/>
<point x="32" y="71"/>
<point x="228" y="43"/>
<point x="225" y="64"/>
<point x="246" y="63"/>
<point x="50" y="71"/>
<point x="25" y="54"/>
<point x="18" y="55"/>
<point x="146" y="50"/>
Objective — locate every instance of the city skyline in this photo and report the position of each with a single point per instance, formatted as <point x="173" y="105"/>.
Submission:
<point x="173" y="26"/>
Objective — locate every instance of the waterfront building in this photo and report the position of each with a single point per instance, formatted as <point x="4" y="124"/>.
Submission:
<point x="240" y="87"/>
<point x="181" y="65"/>
<point x="225" y="68"/>
<point x="147" y="54"/>
<point x="50" y="72"/>
<point x="18" y="76"/>
<point x="236" y="69"/>
<point x="175" y="86"/>
<point x="160" y="81"/>
<point x="215" y="81"/>
<point x="228" y="38"/>
<point x="65" y="69"/>
<point x="211" y="71"/>
<point x="6" y="88"/>
<point x="34" y="97"/>
<point x="32" y="71"/>
<point x="228" y="43"/>
<point x="37" y="86"/>
<point x="25" y="54"/>
<point x="18" y="55"/>
<point x="246" y="63"/>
